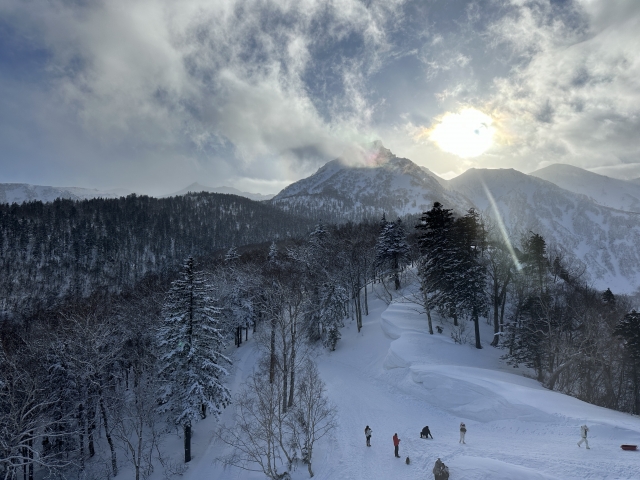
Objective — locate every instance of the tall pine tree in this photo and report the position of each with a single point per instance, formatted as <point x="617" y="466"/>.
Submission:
<point x="392" y="249"/>
<point x="191" y="364"/>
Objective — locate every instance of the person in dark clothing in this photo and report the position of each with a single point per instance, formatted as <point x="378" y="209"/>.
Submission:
<point x="367" y="434"/>
<point x="396" y="444"/>
<point x="425" y="433"/>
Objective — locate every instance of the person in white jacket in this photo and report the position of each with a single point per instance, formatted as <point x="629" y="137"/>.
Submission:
<point x="463" y="431"/>
<point x="583" y="431"/>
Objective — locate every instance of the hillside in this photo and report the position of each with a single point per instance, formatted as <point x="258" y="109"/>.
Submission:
<point x="67" y="247"/>
<point x="602" y="239"/>
<point x="395" y="377"/>
<point x="603" y="190"/>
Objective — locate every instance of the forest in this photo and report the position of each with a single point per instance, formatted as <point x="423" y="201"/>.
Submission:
<point x="118" y="316"/>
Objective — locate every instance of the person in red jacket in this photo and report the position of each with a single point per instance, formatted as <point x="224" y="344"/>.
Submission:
<point x="396" y="443"/>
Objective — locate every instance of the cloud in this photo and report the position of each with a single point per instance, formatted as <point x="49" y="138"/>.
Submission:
<point x="574" y="96"/>
<point x="187" y="80"/>
<point x="155" y="94"/>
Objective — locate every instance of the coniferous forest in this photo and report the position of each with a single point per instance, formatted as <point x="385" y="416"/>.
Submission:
<point x="116" y="315"/>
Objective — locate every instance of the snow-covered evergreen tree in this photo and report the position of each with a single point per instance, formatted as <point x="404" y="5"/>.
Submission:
<point x="392" y="249"/>
<point x="191" y="362"/>
<point x="333" y="297"/>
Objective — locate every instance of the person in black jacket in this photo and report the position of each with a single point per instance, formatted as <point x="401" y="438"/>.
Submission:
<point x="425" y="433"/>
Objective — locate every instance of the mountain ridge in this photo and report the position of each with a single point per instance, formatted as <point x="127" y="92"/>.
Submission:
<point x="197" y="188"/>
<point x="606" y="191"/>
<point x="25" y="192"/>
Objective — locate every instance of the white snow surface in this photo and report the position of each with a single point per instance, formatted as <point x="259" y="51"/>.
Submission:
<point x="395" y="377"/>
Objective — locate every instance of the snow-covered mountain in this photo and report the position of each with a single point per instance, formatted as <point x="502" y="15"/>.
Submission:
<point x="602" y="239"/>
<point x="583" y="229"/>
<point x="381" y="182"/>
<point x="196" y="188"/>
<point x="23" y="192"/>
<point x="603" y="190"/>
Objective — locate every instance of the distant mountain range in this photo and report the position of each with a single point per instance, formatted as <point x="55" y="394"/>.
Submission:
<point x="23" y="192"/>
<point x="196" y="188"/>
<point x="606" y="191"/>
<point x="591" y="220"/>
<point x="600" y="232"/>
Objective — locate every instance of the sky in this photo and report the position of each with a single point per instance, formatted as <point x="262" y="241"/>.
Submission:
<point x="152" y="95"/>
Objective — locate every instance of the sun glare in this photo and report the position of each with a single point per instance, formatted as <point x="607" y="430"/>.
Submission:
<point x="466" y="134"/>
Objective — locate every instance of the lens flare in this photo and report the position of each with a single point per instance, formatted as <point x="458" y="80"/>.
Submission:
<point x="501" y="227"/>
<point x="466" y="134"/>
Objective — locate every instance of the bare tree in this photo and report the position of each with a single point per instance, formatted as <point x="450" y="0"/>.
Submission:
<point x="136" y="423"/>
<point x="314" y="417"/>
<point x="256" y="435"/>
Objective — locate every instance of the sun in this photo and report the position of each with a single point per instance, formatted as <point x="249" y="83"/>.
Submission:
<point x="467" y="133"/>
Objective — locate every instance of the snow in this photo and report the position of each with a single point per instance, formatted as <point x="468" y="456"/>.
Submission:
<point x="395" y="377"/>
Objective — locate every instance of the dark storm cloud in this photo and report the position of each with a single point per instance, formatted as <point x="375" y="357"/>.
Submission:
<point x="152" y="95"/>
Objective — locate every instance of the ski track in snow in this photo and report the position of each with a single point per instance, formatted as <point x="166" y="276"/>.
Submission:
<point x="395" y="377"/>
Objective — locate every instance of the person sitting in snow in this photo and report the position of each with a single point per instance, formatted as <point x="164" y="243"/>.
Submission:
<point x="426" y="432"/>
<point x="583" y="431"/>
<point x="463" y="430"/>
<point x="440" y="470"/>
<point x="367" y="433"/>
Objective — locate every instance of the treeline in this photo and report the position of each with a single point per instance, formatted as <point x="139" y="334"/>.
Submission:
<point x="72" y="248"/>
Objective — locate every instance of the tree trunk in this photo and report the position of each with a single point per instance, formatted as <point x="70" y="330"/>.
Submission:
<point x="103" y="410"/>
<point x="636" y="387"/>
<point x="358" y="310"/>
<point x="293" y="361"/>
<point x="30" y="455"/>
<point x="366" y="303"/>
<point x="429" y="321"/>
<point x="80" y="434"/>
<point x="285" y="379"/>
<point x="272" y="346"/>
<point x="476" y="324"/>
<point x="91" y="426"/>
<point x="187" y="443"/>
<point x="496" y="319"/>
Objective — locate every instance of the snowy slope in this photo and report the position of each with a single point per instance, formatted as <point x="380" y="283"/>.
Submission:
<point x="396" y="377"/>
<point x="23" y="192"/>
<point x="606" y="191"/>
<point x="383" y="183"/>
<point x="196" y="188"/>
<point x="602" y="239"/>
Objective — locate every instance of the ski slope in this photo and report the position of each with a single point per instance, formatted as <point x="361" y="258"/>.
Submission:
<point x="395" y="377"/>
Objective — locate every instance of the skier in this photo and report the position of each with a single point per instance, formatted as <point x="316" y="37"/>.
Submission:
<point x="425" y="433"/>
<point x="440" y="470"/>
<point x="583" y="431"/>
<point x="396" y="444"/>
<point x="367" y="433"/>
<point x="463" y="430"/>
